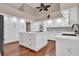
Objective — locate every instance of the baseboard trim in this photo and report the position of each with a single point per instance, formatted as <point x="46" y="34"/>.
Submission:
<point x="11" y="43"/>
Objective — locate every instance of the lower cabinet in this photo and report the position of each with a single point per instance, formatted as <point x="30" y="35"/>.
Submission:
<point x="34" y="41"/>
<point x="67" y="47"/>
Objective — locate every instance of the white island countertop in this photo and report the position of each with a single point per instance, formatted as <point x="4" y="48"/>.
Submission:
<point x="35" y="32"/>
<point x="67" y="45"/>
<point x="33" y="40"/>
<point x="60" y="36"/>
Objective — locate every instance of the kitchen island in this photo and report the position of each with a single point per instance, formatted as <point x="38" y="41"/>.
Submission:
<point x="33" y="40"/>
<point x="67" y="45"/>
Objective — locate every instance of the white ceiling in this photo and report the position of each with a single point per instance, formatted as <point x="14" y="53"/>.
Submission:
<point x="18" y="5"/>
<point x="37" y="4"/>
<point x="30" y="8"/>
<point x="14" y="5"/>
<point x="34" y="4"/>
<point x="54" y="6"/>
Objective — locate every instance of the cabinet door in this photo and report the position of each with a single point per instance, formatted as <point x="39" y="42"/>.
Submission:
<point x="31" y="41"/>
<point x="67" y="47"/>
<point x="73" y="16"/>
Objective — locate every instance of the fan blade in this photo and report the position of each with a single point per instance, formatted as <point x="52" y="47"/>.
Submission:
<point x="48" y="16"/>
<point x="40" y="10"/>
<point x="42" y="5"/>
<point x="48" y="6"/>
<point x="38" y="7"/>
<point x="46" y="9"/>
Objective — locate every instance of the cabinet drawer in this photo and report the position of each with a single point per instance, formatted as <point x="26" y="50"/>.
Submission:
<point x="30" y="39"/>
<point x="31" y="45"/>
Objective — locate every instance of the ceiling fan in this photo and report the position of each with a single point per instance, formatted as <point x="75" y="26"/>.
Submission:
<point x="43" y="7"/>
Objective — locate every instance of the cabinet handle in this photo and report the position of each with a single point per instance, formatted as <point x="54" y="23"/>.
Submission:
<point x="30" y="45"/>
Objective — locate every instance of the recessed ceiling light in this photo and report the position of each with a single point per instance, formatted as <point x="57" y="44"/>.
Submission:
<point x="49" y="21"/>
<point x="59" y="20"/>
<point x="14" y="19"/>
<point x="22" y="21"/>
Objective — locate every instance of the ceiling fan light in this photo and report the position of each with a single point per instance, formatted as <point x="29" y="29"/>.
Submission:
<point x="43" y="7"/>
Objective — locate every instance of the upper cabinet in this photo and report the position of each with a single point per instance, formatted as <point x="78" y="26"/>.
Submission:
<point x="73" y="16"/>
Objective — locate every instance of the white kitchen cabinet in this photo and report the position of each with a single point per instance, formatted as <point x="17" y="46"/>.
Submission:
<point x="67" y="45"/>
<point x="51" y="35"/>
<point x="73" y="16"/>
<point x="33" y="40"/>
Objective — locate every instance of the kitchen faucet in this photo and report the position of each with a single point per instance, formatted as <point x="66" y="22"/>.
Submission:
<point x="75" y="28"/>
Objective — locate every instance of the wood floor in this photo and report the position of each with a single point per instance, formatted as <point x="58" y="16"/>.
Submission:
<point x="15" y="49"/>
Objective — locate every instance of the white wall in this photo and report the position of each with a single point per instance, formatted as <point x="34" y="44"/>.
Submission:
<point x="12" y="27"/>
<point x="60" y="22"/>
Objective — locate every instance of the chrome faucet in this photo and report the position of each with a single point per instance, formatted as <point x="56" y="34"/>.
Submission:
<point x="75" y="28"/>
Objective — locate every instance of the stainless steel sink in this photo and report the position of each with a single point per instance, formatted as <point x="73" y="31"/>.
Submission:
<point x="69" y="34"/>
